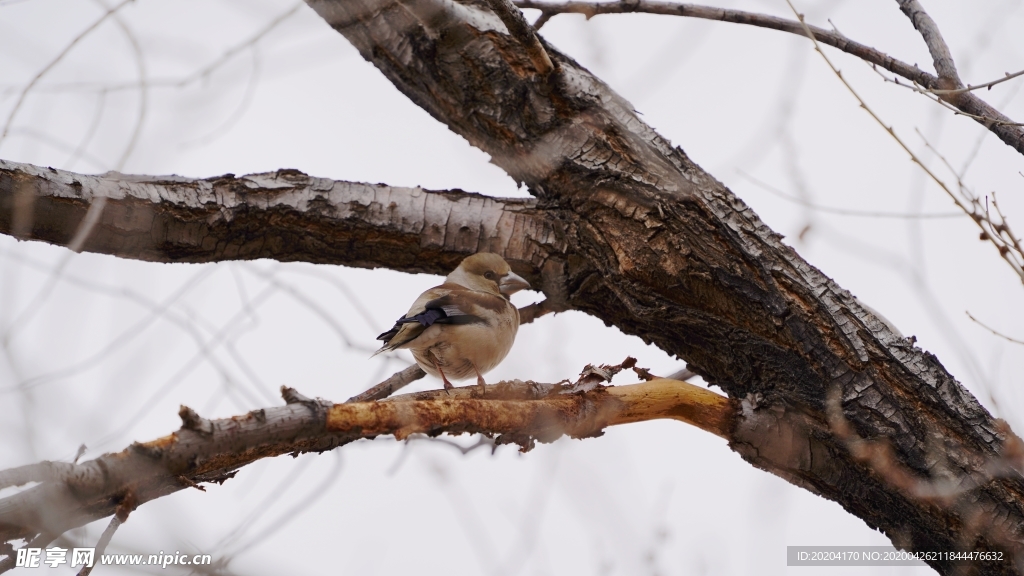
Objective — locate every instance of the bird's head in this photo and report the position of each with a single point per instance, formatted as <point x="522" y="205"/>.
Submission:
<point x="488" y="272"/>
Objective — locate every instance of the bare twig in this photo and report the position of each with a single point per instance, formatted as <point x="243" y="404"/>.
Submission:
<point x="542" y="20"/>
<point x="993" y="230"/>
<point x="39" y="75"/>
<point x="832" y="38"/>
<point x="531" y="312"/>
<point x="179" y="82"/>
<point x="393" y="384"/>
<point x="123" y="510"/>
<point x="521" y="30"/>
<point x="684" y="374"/>
<point x="845" y="212"/>
<point x="993" y="330"/>
<point x="935" y="96"/>
<point x="987" y="85"/>
<point x="965" y="102"/>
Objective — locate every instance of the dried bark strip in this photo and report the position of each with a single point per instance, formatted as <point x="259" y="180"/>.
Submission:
<point x="213" y="450"/>
<point x="660" y="249"/>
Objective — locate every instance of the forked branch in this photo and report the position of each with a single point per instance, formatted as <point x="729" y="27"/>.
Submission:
<point x="522" y="413"/>
<point x="946" y="84"/>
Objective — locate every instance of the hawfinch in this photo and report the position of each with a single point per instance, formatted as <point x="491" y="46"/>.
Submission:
<point x="464" y="327"/>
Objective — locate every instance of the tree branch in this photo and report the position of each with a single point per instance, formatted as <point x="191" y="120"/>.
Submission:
<point x="524" y="33"/>
<point x="213" y="450"/>
<point x="1002" y="126"/>
<point x="285" y="215"/>
<point x="395" y="382"/>
<point x="941" y="57"/>
<point x="659" y="248"/>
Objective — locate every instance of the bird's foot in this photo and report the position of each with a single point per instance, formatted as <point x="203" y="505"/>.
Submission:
<point x="481" y="384"/>
<point x="447" y="385"/>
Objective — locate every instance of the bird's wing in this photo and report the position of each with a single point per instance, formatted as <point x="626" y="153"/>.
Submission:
<point x="445" y="304"/>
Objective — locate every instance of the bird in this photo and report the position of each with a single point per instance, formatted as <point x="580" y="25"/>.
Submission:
<point x="465" y="326"/>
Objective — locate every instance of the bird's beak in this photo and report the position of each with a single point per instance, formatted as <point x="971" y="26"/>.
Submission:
<point x="512" y="283"/>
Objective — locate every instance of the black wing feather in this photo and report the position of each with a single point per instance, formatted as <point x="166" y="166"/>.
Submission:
<point x="438" y="311"/>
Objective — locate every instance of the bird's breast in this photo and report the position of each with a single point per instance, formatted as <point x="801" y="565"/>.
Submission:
<point x="462" y="350"/>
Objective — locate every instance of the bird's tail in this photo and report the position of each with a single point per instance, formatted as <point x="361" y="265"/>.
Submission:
<point x="384" y="348"/>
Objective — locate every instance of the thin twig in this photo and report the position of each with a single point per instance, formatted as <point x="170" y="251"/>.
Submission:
<point x="842" y="211"/>
<point x="832" y="38"/>
<point x="542" y="20"/>
<point x="182" y="81"/>
<point x="39" y="75"/>
<point x="123" y="510"/>
<point x="966" y="103"/>
<point x="388" y="387"/>
<point x="993" y="330"/>
<point x="968" y="206"/>
<point x="933" y="95"/>
<point x="531" y="312"/>
<point x="988" y="85"/>
<point x="519" y="29"/>
<point x="684" y="375"/>
<point x="995" y="230"/>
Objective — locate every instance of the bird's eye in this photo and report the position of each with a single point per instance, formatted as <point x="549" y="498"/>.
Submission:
<point x="489" y="275"/>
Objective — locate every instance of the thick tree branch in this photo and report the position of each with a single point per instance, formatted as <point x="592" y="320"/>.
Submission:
<point x="213" y="450"/>
<point x="659" y="248"/>
<point x="1002" y="126"/>
<point x="285" y="215"/>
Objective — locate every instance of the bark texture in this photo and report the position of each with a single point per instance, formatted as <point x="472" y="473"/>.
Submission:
<point x="71" y="495"/>
<point x="660" y="249"/>
<point x="284" y="215"/>
<point x="624" y="227"/>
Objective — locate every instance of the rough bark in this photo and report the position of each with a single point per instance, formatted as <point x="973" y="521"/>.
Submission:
<point x="71" y="495"/>
<point x="285" y="215"/>
<point x="660" y="249"/>
<point x="1010" y="132"/>
<point x="827" y="396"/>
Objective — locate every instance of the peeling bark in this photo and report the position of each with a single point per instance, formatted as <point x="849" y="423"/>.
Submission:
<point x="660" y="249"/>
<point x="71" y="495"/>
<point x="624" y="227"/>
<point x="285" y="215"/>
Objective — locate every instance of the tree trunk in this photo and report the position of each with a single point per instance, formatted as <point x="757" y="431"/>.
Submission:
<point x="832" y="399"/>
<point x="626" y="228"/>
